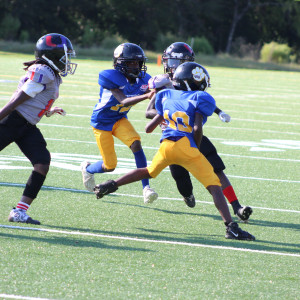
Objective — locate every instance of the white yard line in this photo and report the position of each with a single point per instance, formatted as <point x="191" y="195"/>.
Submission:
<point x="208" y="126"/>
<point x="6" y="296"/>
<point x="149" y="240"/>
<point x="140" y="196"/>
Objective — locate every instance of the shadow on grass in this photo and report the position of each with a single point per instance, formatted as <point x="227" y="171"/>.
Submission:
<point x="187" y="238"/>
<point x="213" y="240"/>
<point x="71" y="242"/>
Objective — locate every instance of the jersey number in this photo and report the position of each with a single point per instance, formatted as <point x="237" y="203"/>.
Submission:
<point x="179" y="121"/>
<point x="120" y="108"/>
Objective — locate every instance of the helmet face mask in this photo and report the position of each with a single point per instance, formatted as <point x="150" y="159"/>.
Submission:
<point x="130" y="60"/>
<point x="175" y="55"/>
<point x="56" y="50"/>
<point x="191" y="76"/>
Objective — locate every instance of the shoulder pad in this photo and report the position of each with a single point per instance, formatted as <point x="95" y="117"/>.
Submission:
<point x="207" y="102"/>
<point x="147" y="77"/>
<point x="40" y="73"/>
<point x="111" y="79"/>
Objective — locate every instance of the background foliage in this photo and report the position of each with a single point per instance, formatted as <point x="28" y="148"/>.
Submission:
<point x="216" y="25"/>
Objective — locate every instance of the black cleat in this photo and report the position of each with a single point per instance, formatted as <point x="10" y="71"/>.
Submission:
<point x="244" y="213"/>
<point x="105" y="188"/>
<point x="31" y="221"/>
<point x="190" y="201"/>
<point x="234" y="232"/>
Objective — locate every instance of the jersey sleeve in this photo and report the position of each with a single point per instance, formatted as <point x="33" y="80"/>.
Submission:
<point x="40" y="74"/>
<point x="206" y="104"/>
<point x="158" y="103"/>
<point x="32" y="88"/>
<point x="111" y="79"/>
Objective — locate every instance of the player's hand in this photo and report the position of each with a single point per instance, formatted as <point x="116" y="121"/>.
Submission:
<point x="55" y="110"/>
<point x="160" y="81"/>
<point x="224" y="117"/>
<point x="151" y="93"/>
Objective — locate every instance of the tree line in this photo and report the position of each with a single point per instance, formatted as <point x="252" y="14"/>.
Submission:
<point x="152" y="24"/>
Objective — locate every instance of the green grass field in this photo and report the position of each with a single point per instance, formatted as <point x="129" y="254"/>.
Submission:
<point x="119" y="248"/>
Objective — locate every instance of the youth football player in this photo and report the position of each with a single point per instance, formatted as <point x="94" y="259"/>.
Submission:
<point x="34" y="97"/>
<point x="120" y="89"/>
<point x="184" y="110"/>
<point x="174" y="55"/>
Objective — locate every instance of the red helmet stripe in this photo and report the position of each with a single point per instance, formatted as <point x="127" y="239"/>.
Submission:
<point x="49" y="41"/>
<point x="187" y="47"/>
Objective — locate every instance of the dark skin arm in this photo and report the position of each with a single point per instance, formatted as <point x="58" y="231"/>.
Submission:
<point x="151" y="111"/>
<point x="128" y="101"/>
<point x="198" y="130"/>
<point x="154" y="123"/>
<point x="15" y="101"/>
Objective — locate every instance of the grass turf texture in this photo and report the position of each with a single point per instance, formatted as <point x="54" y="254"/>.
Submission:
<point x="119" y="248"/>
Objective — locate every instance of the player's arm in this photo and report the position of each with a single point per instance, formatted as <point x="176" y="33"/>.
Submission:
<point x="127" y="101"/>
<point x="151" y="111"/>
<point x="154" y="123"/>
<point x="157" y="83"/>
<point x="222" y="115"/>
<point x="17" y="99"/>
<point x="198" y="130"/>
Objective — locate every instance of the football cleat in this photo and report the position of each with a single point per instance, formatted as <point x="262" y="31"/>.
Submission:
<point x="244" y="213"/>
<point x="105" y="188"/>
<point x="190" y="201"/>
<point x="149" y="195"/>
<point x="20" y="215"/>
<point x="87" y="178"/>
<point x="234" y="232"/>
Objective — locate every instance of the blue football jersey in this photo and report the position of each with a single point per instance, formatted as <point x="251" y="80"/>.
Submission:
<point x="109" y="110"/>
<point x="178" y="109"/>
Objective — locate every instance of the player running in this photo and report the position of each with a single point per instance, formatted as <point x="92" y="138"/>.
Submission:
<point x="174" y="55"/>
<point x="33" y="99"/>
<point x="184" y="110"/>
<point x="120" y="89"/>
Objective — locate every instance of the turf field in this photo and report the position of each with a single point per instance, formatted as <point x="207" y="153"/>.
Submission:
<point x="119" y="248"/>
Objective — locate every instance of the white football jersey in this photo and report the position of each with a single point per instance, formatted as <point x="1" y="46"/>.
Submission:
<point x="34" y="108"/>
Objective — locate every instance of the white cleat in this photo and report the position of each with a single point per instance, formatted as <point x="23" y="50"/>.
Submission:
<point x="149" y="195"/>
<point x="20" y="215"/>
<point x="87" y="178"/>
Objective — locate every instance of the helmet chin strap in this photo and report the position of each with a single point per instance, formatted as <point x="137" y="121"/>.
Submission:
<point x="50" y="63"/>
<point x="187" y="85"/>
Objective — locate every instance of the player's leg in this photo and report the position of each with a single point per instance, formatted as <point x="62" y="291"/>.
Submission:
<point x="34" y="147"/>
<point x="193" y="161"/>
<point x="105" y="143"/>
<point x="210" y="152"/>
<point x="184" y="184"/>
<point x="158" y="164"/>
<point x="128" y="135"/>
<point x="242" y="212"/>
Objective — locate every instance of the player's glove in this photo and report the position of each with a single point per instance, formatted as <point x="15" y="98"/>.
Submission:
<point x="160" y="81"/>
<point x="55" y="110"/>
<point x="224" y="117"/>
